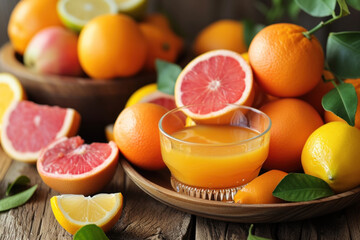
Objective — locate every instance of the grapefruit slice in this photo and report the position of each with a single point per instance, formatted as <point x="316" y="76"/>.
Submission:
<point x="75" y="211"/>
<point x="67" y="165"/>
<point x="211" y="82"/>
<point x="28" y="127"/>
<point x="149" y="93"/>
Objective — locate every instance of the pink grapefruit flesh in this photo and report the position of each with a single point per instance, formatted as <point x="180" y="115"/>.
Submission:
<point x="67" y="165"/>
<point x="28" y="127"/>
<point x="212" y="81"/>
<point x="161" y="99"/>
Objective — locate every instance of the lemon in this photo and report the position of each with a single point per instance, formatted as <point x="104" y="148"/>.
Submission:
<point x="10" y="90"/>
<point x="332" y="153"/>
<point x="76" y="13"/>
<point x="75" y="211"/>
<point x="134" y="8"/>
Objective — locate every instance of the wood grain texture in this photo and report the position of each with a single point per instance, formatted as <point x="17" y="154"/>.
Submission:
<point x="5" y="162"/>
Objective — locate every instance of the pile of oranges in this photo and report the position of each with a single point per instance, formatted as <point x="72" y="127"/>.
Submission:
<point x="109" y="45"/>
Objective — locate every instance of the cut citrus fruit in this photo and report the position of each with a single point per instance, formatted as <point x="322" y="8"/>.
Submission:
<point x="76" y="13"/>
<point x="150" y="93"/>
<point x="134" y="8"/>
<point x="10" y="90"/>
<point x="28" y="127"/>
<point x="67" y="165"/>
<point x="214" y="79"/>
<point x="75" y="211"/>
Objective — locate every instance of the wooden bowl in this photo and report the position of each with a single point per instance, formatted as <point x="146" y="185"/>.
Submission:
<point x="98" y="101"/>
<point x="157" y="185"/>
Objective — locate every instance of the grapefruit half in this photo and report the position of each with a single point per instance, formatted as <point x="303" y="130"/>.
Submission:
<point x="27" y="127"/>
<point x="150" y="93"/>
<point x="211" y="82"/>
<point x="67" y="165"/>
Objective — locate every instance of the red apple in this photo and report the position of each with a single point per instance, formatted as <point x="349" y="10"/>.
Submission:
<point x="53" y="50"/>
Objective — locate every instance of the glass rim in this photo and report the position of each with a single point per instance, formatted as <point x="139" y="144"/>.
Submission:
<point x="214" y="144"/>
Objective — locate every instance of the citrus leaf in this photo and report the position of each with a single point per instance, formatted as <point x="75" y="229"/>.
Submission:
<point x="293" y="10"/>
<point x="342" y="101"/>
<point x="298" y="187"/>
<point x="250" y="30"/>
<point x="167" y="74"/>
<point x="318" y="8"/>
<point x="343" y="54"/>
<point x="17" y="199"/>
<point x="90" y="232"/>
<point x="344" y="10"/>
<point x="354" y="3"/>
<point x="19" y="182"/>
<point x="253" y="237"/>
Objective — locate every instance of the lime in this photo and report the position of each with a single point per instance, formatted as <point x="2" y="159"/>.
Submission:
<point x="76" y="13"/>
<point x="133" y="8"/>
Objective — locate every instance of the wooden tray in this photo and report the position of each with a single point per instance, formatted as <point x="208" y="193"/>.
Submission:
<point x="157" y="185"/>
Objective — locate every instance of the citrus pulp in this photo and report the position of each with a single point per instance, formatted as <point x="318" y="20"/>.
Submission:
<point x="67" y="165"/>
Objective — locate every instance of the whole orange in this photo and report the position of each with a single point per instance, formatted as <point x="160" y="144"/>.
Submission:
<point x="331" y="117"/>
<point x="293" y="120"/>
<point x="161" y="45"/>
<point x="136" y="133"/>
<point x="314" y="97"/>
<point x="222" y="34"/>
<point x="159" y="20"/>
<point x="28" y="18"/>
<point x="284" y="61"/>
<point x="259" y="190"/>
<point x="112" y="45"/>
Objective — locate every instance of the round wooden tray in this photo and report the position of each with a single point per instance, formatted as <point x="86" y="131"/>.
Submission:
<point x="98" y="101"/>
<point x="157" y="185"/>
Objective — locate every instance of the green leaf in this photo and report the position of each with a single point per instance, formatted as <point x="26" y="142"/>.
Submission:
<point x="167" y="74"/>
<point x="21" y="181"/>
<point x="90" y="232"/>
<point x="344" y="10"/>
<point x="342" y="101"/>
<point x="354" y="3"/>
<point x="253" y="237"/>
<point x="293" y="10"/>
<point x="343" y="54"/>
<point x="317" y="8"/>
<point x="17" y="199"/>
<point x="250" y="30"/>
<point x="298" y="187"/>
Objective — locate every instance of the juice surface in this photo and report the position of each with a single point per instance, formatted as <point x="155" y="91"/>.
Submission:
<point x="220" y="160"/>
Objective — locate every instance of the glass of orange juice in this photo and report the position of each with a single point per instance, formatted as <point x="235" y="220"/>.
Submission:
<point x="213" y="161"/>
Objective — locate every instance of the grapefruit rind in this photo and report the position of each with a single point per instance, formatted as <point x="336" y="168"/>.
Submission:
<point x="86" y="183"/>
<point x="69" y="128"/>
<point x="247" y="95"/>
<point x="72" y="226"/>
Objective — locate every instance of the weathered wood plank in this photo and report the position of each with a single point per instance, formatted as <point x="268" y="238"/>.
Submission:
<point x="142" y="217"/>
<point x="213" y="229"/>
<point x="5" y="162"/>
<point x="35" y="219"/>
<point x="146" y="218"/>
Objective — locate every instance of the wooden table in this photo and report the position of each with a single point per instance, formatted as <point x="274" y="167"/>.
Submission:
<point x="145" y="218"/>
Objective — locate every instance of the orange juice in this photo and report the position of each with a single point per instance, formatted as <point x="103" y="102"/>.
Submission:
<point x="215" y="156"/>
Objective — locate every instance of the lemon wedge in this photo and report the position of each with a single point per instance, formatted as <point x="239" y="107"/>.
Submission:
<point x="76" y="13"/>
<point x="75" y="211"/>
